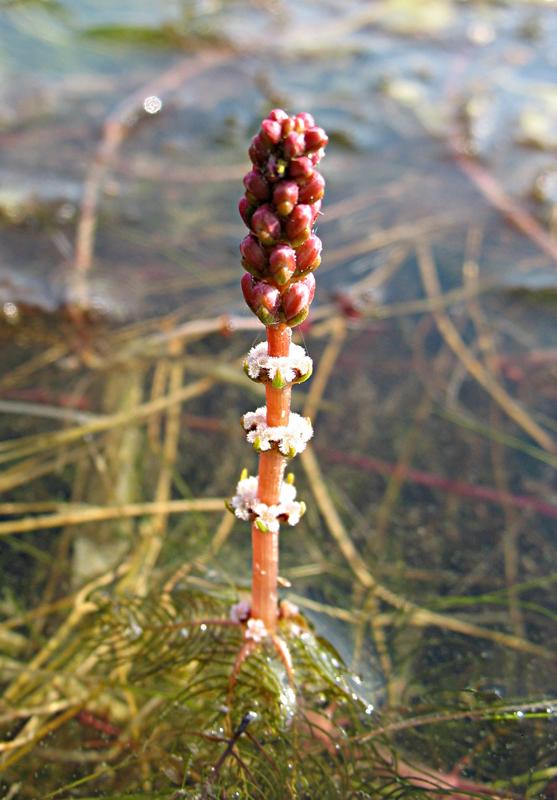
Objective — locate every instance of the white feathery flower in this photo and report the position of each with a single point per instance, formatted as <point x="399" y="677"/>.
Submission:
<point x="287" y="493"/>
<point x="268" y="516"/>
<point x="256" y="630"/>
<point x="246" y="505"/>
<point x="246" y="495"/>
<point x="261" y="436"/>
<point x="293" y="512"/>
<point x="295" y="365"/>
<point x="291" y="439"/>
<point x="246" y="489"/>
<point x="296" y="435"/>
<point x="252" y="419"/>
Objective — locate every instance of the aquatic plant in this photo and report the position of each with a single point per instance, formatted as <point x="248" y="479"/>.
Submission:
<point x="281" y="204"/>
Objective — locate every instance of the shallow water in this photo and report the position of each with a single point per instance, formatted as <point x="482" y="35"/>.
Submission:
<point x="436" y="432"/>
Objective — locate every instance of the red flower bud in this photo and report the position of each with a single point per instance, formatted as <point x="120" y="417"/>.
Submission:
<point x="308" y="255"/>
<point x="300" y="169"/>
<point x="278" y="115"/>
<point x="296" y="300"/>
<point x="254" y="258"/>
<point x="287" y="126"/>
<point x="282" y="263"/>
<point x="266" y="225"/>
<point x="316" y="139"/>
<point x="315" y="211"/>
<point x="257" y="186"/>
<point x="272" y="130"/>
<point x="262" y="298"/>
<point x="285" y="197"/>
<point x="294" y="145"/>
<point x="313" y="190"/>
<point x="246" y="210"/>
<point x="303" y="121"/>
<point x="316" y="157"/>
<point x="298" y="225"/>
<point x="259" y="150"/>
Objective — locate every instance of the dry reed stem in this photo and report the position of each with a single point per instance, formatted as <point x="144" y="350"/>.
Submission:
<point x="405" y="232"/>
<point x="34" y="711"/>
<point x="429" y="304"/>
<point x="335" y="612"/>
<point x="164" y="172"/>
<point x="80" y="515"/>
<point x="35" y="363"/>
<point x="439" y="717"/>
<point x="148" y="551"/>
<point x="486" y="344"/>
<point x="414" y="614"/>
<point x="8" y="509"/>
<point x="26" y="741"/>
<point x="363" y="200"/>
<point x="27" y="471"/>
<point x="326" y="366"/>
<point x="60" y="413"/>
<point x="29" y="445"/>
<point x="474" y="367"/>
<point x="158" y="383"/>
<point x="382" y="273"/>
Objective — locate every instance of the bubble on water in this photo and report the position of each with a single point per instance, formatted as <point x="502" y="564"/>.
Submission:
<point x="10" y="311"/>
<point x="152" y="104"/>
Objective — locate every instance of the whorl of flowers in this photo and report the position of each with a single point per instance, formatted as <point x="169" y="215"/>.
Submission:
<point x="246" y="506"/>
<point x="296" y="367"/>
<point x="289" y="439"/>
<point x="281" y="204"/>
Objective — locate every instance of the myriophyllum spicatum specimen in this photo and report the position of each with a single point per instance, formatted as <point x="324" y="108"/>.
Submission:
<point x="281" y="204"/>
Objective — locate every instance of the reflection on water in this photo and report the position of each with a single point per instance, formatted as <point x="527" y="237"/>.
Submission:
<point x="427" y="554"/>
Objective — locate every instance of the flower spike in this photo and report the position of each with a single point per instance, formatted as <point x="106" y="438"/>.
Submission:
<point x="280" y="206"/>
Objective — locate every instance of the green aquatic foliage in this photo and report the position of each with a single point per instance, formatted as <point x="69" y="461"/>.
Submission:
<point x="153" y="703"/>
<point x="157" y="690"/>
<point x="287" y="740"/>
